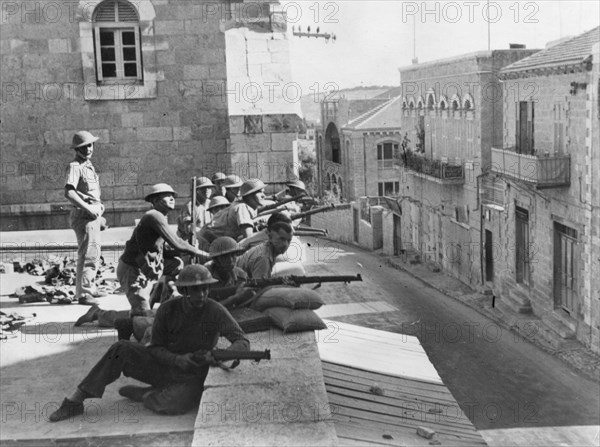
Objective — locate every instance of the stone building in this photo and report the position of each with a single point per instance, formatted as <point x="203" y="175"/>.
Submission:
<point x="173" y="89"/>
<point x="541" y="200"/>
<point x="452" y="116"/>
<point x="337" y="156"/>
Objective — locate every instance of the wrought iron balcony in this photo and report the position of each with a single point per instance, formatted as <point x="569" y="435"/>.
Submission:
<point x="445" y="171"/>
<point x="542" y="171"/>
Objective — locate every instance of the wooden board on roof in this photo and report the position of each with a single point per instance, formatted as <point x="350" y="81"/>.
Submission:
<point x="397" y="355"/>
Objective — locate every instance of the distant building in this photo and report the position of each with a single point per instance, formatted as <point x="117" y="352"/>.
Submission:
<point x="541" y="199"/>
<point x="452" y="115"/>
<point x="173" y="89"/>
<point x="337" y="164"/>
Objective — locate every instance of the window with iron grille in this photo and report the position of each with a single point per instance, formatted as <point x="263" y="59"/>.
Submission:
<point x="117" y="42"/>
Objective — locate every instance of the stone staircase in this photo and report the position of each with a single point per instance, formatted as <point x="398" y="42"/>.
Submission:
<point x="515" y="301"/>
<point x="552" y="332"/>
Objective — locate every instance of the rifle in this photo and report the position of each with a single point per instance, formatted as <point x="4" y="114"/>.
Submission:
<point x="192" y="239"/>
<point x="263" y="210"/>
<point x="223" y="355"/>
<point x="304" y="214"/>
<point x="220" y="293"/>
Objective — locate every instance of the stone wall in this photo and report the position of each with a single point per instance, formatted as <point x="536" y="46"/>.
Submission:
<point x="163" y="130"/>
<point x="571" y="206"/>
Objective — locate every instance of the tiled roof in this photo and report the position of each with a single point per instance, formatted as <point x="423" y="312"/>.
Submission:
<point x="570" y="52"/>
<point x="361" y="121"/>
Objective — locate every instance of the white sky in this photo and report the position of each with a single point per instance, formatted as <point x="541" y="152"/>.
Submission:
<point x="375" y="37"/>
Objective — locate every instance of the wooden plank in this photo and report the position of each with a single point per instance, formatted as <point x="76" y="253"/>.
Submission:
<point x="336" y="310"/>
<point x="431" y="400"/>
<point x="350" y="435"/>
<point x="352" y="374"/>
<point x="344" y="408"/>
<point x="427" y="411"/>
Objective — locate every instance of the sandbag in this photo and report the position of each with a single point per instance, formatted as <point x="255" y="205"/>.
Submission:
<point x="251" y="320"/>
<point x="295" y="320"/>
<point x="285" y="296"/>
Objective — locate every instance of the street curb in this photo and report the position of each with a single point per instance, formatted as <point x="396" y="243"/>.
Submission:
<point x="509" y="325"/>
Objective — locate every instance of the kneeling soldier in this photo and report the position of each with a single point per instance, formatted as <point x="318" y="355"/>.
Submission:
<point x="183" y="326"/>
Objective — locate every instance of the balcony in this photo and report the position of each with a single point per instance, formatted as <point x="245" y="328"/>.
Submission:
<point x="439" y="170"/>
<point x="541" y="171"/>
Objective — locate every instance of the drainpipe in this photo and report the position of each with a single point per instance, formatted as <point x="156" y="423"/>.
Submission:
<point x="481" y="230"/>
<point x="365" y="161"/>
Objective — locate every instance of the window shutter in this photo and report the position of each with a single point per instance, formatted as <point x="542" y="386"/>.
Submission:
<point x="99" y="75"/>
<point x="530" y="139"/>
<point x="115" y="11"/>
<point x="106" y="12"/>
<point x="518" y="127"/>
<point x="138" y="48"/>
<point x="126" y="12"/>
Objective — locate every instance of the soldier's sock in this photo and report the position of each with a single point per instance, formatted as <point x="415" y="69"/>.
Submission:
<point x="78" y="395"/>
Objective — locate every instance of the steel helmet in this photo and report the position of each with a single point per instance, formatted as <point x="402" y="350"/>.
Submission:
<point x="194" y="275"/>
<point x="83" y="138"/>
<point x="158" y="189"/>
<point x="251" y="186"/>
<point x="299" y="184"/>
<point x="224" y="245"/>
<point x="218" y="176"/>
<point x="232" y="181"/>
<point x="218" y="201"/>
<point x="204" y="182"/>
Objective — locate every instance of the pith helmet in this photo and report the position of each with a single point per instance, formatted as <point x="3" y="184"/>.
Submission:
<point x="204" y="182"/>
<point x="218" y="201"/>
<point x="82" y="138"/>
<point x="218" y="176"/>
<point x="159" y="188"/>
<point x="298" y="184"/>
<point x="251" y="186"/>
<point x="194" y="275"/>
<point x="224" y="245"/>
<point x="232" y="181"/>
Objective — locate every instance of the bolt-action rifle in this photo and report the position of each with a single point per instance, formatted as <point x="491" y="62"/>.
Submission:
<point x="224" y="355"/>
<point x="220" y="293"/>
<point x="193" y="239"/>
<point x="321" y="209"/>
<point x="269" y="209"/>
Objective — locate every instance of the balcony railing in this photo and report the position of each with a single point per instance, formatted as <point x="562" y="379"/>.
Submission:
<point x="543" y="171"/>
<point x="386" y="164"/>
<point x="447" y="172"/>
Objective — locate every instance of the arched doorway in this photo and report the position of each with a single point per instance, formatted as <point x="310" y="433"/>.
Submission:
<point x="331" y="151"/>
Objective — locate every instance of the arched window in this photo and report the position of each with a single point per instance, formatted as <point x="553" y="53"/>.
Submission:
<point x="430" y="100"/>
<point x="420" y="103"/>
<point x="443" y="105"/>
<point x="117" y="42"/>
<point x="455" y="103"/>
<point x="468" y="103"/>
<point x="411" y="103"/>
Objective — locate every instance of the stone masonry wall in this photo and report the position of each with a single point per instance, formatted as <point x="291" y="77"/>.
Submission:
<point x="571" y="206"/>
<point x="172" y="133"/>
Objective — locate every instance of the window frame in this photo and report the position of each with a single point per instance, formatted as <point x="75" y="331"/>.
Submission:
<point x="384" y="162"/>
<point x="117" y="28"/>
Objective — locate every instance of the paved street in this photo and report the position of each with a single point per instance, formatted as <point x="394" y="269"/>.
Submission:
<point x="499" y="380"/>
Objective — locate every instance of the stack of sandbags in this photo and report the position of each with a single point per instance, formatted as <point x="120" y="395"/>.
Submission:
<point x="290" y="308"/>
